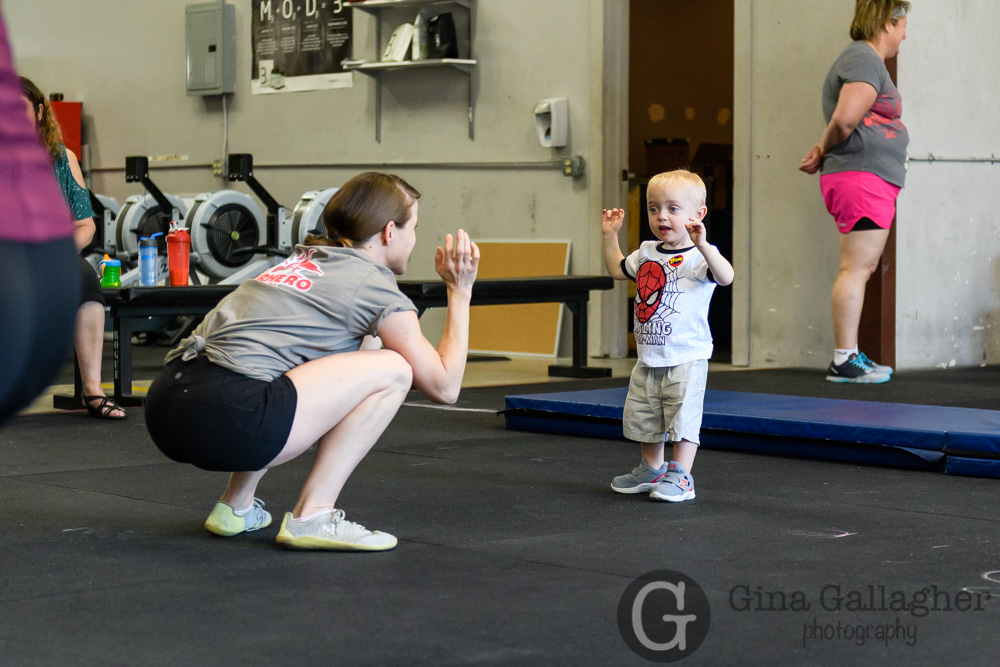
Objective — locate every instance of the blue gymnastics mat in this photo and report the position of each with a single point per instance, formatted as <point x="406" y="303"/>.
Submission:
<point x="959" y="441"/>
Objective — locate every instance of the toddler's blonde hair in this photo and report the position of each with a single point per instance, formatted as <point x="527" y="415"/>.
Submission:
<point x="681" y="176"/>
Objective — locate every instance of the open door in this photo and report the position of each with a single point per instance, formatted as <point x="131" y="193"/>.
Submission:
<point x="680" y="116"/>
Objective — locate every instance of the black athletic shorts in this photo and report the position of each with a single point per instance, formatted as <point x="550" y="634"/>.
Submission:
<point x="38" y="302"/>
<point x="90" y="284"/>
<point x="216" y="419"/>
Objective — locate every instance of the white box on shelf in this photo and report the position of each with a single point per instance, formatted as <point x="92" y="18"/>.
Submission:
<point x="399" y="44"/>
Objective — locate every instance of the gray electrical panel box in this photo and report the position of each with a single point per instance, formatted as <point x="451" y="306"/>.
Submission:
<point x="210" y="36"/>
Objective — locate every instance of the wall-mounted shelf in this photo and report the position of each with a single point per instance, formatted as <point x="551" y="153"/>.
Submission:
<point x="366" y="66"/>
<point x="372" y="6"/>
<point x="376" y="69"/>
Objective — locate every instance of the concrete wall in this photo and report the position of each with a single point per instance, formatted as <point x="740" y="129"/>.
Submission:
<point x="948" y="275"/>
<point x="948" y="242"/>
<point x="125" y="60"/>
<point x="785" y="243"/>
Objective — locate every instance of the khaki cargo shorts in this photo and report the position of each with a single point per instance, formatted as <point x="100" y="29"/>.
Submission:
<point x="666" y="403"/>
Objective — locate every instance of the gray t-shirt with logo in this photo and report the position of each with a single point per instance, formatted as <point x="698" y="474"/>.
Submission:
<point x="878" y="143"/>
<point x="319" y="301"/>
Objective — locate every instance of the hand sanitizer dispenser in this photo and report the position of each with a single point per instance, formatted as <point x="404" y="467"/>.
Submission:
<point x="552" y="122"/>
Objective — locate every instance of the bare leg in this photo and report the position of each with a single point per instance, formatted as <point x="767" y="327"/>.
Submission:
<point x="652" y="452"/>
<point x="242" y="485"/>
<point x="859" y="257"/>
<point x="89" y="339"/>
<point x="342" y="449"/>
<point x="684" y="453"/>
<point x="344" y="401"/>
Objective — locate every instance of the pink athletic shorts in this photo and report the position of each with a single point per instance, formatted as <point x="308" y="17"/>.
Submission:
<point x="852" y="195"/>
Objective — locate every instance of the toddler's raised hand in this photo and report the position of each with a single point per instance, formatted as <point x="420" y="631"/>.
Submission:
<point x="696" y="230"/>
<point x="611" y="221"/>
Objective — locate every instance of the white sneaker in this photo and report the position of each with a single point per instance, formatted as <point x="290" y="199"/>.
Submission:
<point x="332" y="531"/>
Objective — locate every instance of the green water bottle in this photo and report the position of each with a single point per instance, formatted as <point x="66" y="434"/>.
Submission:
<point x="111" y="270"/>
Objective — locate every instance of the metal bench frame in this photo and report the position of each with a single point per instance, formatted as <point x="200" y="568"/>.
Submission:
<point x="129" y="305"/>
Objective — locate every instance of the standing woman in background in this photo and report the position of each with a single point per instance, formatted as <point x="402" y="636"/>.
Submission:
<point x="862" y="156"/>
<point x="89" y="331"/>
<point x="38" y="293"/>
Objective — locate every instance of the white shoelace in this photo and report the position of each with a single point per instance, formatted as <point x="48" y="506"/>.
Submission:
<point x="339" y="525"/>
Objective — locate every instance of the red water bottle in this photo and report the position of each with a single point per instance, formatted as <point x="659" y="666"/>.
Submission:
<point x="178" y="255"/>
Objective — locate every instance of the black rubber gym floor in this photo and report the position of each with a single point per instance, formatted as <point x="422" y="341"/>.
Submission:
<point x="513" y="549"/>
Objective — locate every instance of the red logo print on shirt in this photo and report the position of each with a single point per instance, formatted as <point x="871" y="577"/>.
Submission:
<point x="649" y="282"/>
<point x="885" y="115"/>
<point x="290" y="271"/>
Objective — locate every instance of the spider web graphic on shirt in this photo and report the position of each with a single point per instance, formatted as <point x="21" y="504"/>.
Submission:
<point x="670" y="293"/>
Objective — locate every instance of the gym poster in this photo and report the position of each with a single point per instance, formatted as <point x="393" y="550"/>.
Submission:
<point x="299" y="44"/>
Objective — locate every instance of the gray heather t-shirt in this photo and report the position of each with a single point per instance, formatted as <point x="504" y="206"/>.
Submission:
<point x="878" y="143"/>
<point x="319" y="301"/>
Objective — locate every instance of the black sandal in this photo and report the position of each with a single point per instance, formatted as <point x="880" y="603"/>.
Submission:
<point x="103" y="409"/>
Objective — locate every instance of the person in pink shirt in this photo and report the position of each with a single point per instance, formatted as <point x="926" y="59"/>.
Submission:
<point x="39" y="292"/>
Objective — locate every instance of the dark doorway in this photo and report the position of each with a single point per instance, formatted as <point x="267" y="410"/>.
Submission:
<point x="680" y="115"/>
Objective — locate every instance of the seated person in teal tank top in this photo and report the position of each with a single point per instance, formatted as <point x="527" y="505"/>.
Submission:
<point x="89" y="333"/>
<point x="77" y="197"/>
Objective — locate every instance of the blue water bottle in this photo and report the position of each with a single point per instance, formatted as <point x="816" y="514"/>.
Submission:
<point x="148" y="260"/>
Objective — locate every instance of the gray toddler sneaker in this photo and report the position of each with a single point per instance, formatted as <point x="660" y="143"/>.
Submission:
<point x="642" y="478"/>
<point x="675" y="486"/>
<point x="331" y="531"/>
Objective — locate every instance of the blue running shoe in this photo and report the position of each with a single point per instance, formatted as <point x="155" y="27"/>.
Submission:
<point x="676" y="486"/>
<point x="878" y="368"/>
<point x="855" y="370"/>
<point x="642" y="479"/>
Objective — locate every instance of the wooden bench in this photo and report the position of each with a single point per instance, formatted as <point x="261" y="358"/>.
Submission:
<point x="128" y="306"/>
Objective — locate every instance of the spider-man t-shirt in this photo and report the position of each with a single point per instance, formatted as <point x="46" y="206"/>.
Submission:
<point x="673" y="290"/>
